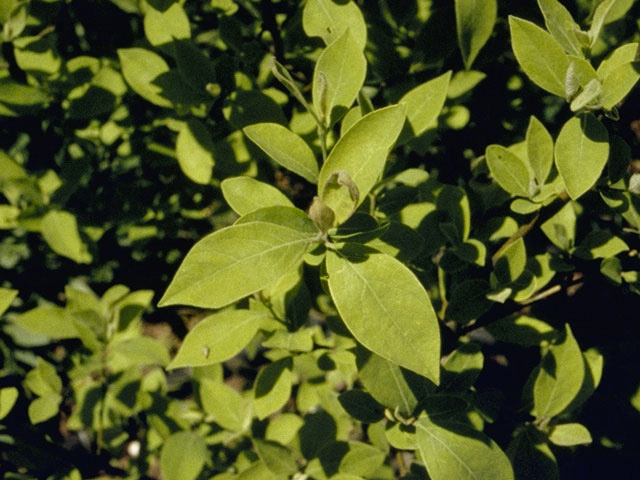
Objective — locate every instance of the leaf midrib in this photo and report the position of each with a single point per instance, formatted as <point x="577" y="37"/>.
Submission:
<point x="446" y="447"/>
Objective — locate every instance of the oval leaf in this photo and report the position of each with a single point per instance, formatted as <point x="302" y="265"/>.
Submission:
<point x="140" y="68"/>
<point x="338" y="77"/>
<point x="540" y="55"/>
<point x="474" y="23"/>
<point x="424" y="103"/>
<point x="51" y="321"/>
<point x="235" y="262"/>
<point x="246" y="194"/>
<point x="272" y="388"/>
<point x="570" y="434"/>
<point x="225" y="405"/>
<point x="362" y="154"/>
<point x="508" y="170"/>
<point x="217" y="338"/>
<point x="398" y="324"/>
<point x="559" y="378"/>
<point x="60" y="231"/>
<point x="329" y="19"/>
<point x="456" y="450"/>
<point x="194" y="149"/>
<point x="6" y="297"/>
<point x="539" y="149"/>
<point x="618" y="84"/>
<point x="581" y="153"/>
<point x="390" y="385"/>
<point x="276" y="457"/>
<point x="285" y="148"/>
<point x="561" y="25"/>
<point x="163" y="27"/>
<point x="8" y="397"/>
<point x="183" y="455"/>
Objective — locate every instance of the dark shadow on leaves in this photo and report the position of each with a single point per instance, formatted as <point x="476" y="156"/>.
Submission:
<point x="94" y="102"/>
<point x="270" y="375"/>
<point x="319" y="428"/>
<point x="331" y="455"/>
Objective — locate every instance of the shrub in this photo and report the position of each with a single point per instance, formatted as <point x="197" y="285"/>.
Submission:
<point x="401" y="237"/>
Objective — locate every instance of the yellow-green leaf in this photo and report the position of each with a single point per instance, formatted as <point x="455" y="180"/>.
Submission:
<point x="396" y="323"/>
<point x="540" y="55"/>
<point x="581" y="153"/>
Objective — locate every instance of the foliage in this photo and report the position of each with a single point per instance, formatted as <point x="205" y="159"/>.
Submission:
<point x="399" y="239"/>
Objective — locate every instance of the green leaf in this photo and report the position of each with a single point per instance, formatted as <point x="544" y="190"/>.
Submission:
<point x="362" y="153"/>
<point x="599" y="19"/>
<point x="53" y="322"/>
<point x="285" y="148"/>
<point x="43" y="379"/>
<point x="60" y="231"/>
<point x="225" y="405"/>
<point x="559" y="378"/>
<point x="162" y="27"/>
<point x="6" y="297"/>
<point x="137" y="352"/>
<point x="237" y="261"/>
<point x="540" y="55"/>
<point x="462" y="367"/>
<point x="44" y="408"/>
<point x="539" y="149"/>
<point x="338" y="77"/>
<point x="463" y="82"/>
<point x="561" y="25"/>
<point x="276" y="457"/>
<point x="141" y="68"/>
<point x="617" y="85"/>
<point x="183" y="456"/>
<point x="291" y="217"/>
<point x="217" y="338"/>
<point x="456" y="450"/>
<point x="620" y="56"/>
<point x="474" y="21"/>
<point x="8" y="397"/>
<point x="401" y="436"/>
<point x="37" y="54"/>
<point x="284" y="428"/>
<point x="17" y="99"/>
<point x="398" y="324"/>
<point x="246" y="194"/>
<point x="561" y="227"/>
<point x="569" y="434"/>
<point x="511" y="263"/>
<point x="350" y="458"/>
<point x="329" y="19"/>
<point x="508" y="170"/>
<point x="581" y="153"/>
<point x="600" y="244"/>
<point x="194" y="149"/>
<point x="390" y="385"/>
<point x="14" y="19"/>
<point x="588" y="96"/>
<point x="272" y="387"/>
<point x="424" y="103"/>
